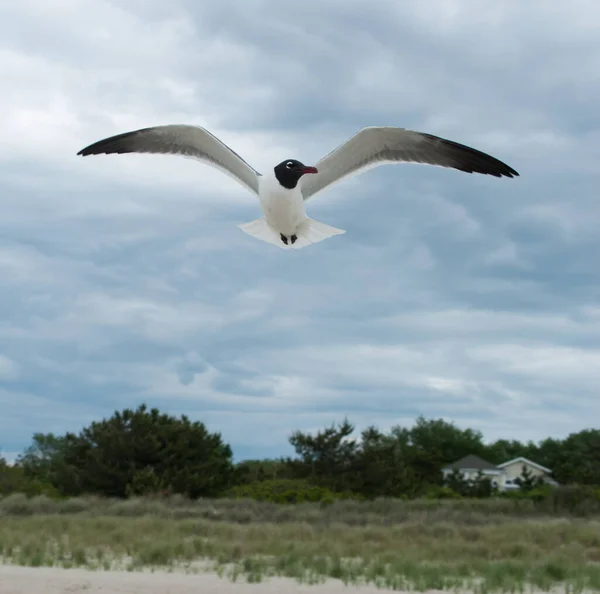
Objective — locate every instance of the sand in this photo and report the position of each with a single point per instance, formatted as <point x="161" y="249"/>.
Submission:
<point x="54" y="580"/>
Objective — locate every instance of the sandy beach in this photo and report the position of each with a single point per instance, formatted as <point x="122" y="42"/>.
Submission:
<point x="53" y="580"/>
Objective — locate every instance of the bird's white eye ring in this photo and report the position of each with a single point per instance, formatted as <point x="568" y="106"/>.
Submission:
<point x="289" y="164"/>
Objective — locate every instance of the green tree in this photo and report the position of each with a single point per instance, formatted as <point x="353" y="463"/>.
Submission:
<point x="549" y="453"/>
<point x="436" y="443"/>
<point x="580" y="462"/>
<point x="141" y="451"/>
<point x="503" y="450"/>
<point x="404" y="462"/>
<point x="480" y="486"/>
<point x="383" y="465"/>
<point x="14" y="480"/>
<point x="44" y="459"/>
<point x="327" y="458"/>
<point x="249" y="471"/>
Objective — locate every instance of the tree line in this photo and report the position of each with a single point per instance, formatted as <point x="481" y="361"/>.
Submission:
<point x="144" y="451"/>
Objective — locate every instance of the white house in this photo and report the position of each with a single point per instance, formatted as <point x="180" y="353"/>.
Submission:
<point x="503" y="475"/>
<point x="513" y="469"/>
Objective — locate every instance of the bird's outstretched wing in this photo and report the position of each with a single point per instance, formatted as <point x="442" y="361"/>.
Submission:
<point x="188" y="141"/>
<point x="375" y="146"/>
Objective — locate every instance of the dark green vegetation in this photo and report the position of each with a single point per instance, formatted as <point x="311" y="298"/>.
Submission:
<point x="143" y="488"/>
<point x="138" y="452"/>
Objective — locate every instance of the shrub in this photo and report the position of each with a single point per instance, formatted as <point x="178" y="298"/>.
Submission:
<point x="287" y="491"/>
<point x="580" y="500"/>
<point x="517" y="494"/>
<point x="14" y="480"/>
<point x="540" y="494"/>
<point x="437" y="492"/>
<point x="16" y="504"/>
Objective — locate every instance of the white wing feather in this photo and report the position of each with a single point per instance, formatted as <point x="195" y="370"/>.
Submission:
<point x="188" y="141"/>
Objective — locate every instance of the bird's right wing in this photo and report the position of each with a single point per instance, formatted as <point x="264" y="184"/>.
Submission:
<point x="375" y="146"/>
<point x="188" y="141"/>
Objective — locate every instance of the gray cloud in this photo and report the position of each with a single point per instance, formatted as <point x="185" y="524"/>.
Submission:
<point x="125" y="278"/>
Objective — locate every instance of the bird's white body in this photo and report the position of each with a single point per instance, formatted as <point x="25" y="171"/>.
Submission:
<point x="283" y="208"/>
<point x="285" y="216"/>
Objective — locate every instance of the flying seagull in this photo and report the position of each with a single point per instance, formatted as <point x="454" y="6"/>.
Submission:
<point x="283" y="191"/>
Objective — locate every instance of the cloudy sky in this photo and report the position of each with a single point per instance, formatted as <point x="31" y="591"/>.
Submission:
<point x="125" y="278"/>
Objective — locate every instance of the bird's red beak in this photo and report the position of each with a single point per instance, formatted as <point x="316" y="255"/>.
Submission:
<point x="310" y="170"/>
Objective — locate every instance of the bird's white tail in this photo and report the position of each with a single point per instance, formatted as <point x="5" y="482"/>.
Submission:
<point x="308" y="232"/>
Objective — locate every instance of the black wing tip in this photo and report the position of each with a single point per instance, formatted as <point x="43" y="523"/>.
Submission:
<point x="479" y="162"/>
<point x="508" y="172"/>
<point x="494" y="168"/>
<point x="108" y="145"/>
<point x="90" y="150"/>
<point x="505" y="170"/>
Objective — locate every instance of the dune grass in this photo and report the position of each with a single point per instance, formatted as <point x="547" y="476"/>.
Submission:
<point x="402" y="545"/>
<point x="383" y="511"/>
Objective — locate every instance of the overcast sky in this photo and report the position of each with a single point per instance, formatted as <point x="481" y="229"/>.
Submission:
<point x="125" y="279"/>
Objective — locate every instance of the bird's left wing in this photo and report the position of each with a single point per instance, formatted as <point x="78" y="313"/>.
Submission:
<point x="188" y="141"/>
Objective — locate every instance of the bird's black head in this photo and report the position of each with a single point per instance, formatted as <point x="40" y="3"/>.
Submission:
<point x="288" y="172"/>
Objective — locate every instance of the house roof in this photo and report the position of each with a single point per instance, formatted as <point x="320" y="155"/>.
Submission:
<point x="471" y="462"/>
<point x="523" y="460"/>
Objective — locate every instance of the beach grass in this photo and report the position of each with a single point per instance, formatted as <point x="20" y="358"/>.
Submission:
<point x="394" y="544"/>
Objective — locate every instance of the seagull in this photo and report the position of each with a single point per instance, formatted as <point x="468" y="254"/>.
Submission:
<point x="282" y="192"/>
